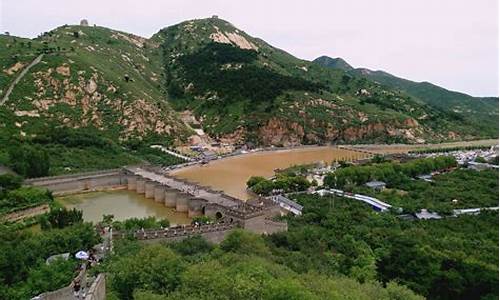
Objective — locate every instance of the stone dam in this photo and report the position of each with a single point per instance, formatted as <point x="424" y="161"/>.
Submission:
<point x="192" y="199"/>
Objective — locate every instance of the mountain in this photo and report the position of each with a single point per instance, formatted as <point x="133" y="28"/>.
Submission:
<point x="204" y="74"/>
<point x="87" y="77"/>
<point x="334" y="63"/>
<point x="481" y="112"/>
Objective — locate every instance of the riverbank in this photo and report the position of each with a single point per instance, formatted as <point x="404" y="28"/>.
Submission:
<point x="405" y="148"/>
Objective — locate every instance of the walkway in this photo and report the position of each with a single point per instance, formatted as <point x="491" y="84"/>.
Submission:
<point x="472" y="211"/>
<point x="171" y="152"/>
<point x="374" y="202"/>
<point x="287" y="204"/>
<point x="382" y="206"/>
<point x="19" y="77"/>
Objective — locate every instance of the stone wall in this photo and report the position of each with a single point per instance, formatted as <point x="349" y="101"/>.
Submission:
<point x="25" y="213"/>
<point x="66" y="292"/>
<point x="263" y="225"/>
<point x="81" y="182"/>
<point x="97" y="290"/>
<point x="214" y="233"/>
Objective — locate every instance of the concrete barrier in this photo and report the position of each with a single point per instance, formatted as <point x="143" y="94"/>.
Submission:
<point x="140" y="185"/>
<point x="159" y="193"/>
<point x="170" y="197"/>
<point x="149" y="189"/>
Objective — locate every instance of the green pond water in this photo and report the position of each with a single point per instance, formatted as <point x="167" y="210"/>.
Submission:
<point x="122" y="204"/>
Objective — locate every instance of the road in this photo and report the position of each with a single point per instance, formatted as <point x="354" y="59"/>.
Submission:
<point x="19" y="77"/>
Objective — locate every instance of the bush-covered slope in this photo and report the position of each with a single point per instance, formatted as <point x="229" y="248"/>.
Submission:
<point x="244" y="89"/>
<point x="88" y="77"/>
<point x="239" y="88"/>
<point x="479" y="113"/>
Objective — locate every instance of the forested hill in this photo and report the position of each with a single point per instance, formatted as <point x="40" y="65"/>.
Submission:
<point x="245" y="89"/>
<point x="238" y="88"/>
<point x="482" y="111"/>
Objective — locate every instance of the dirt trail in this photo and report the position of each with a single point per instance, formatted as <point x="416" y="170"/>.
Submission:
<point x="19" y="77"/>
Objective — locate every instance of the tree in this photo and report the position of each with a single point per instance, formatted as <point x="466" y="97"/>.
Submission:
<point x="61" y="217"/>
<point x="252" y="181"/>
<point x="154" y="267"/>
<point x="29" y="161"/>
<point x="9" y="182"/>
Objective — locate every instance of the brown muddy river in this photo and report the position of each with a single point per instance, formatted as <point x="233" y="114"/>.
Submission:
<point x="123" y="205"/>
<point x="231" y="174"/>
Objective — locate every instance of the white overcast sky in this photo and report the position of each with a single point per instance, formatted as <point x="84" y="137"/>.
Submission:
<point x="452" y="43"/>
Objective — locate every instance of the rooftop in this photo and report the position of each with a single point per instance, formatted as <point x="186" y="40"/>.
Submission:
<point x="374" y="184"/>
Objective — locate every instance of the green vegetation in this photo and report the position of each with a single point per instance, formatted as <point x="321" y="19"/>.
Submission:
<point x="29" y="161"/>
<point x="124" y="87"/>
<point x="479" y="115"/>
<point x="242" y="267"/>
<point x="448" y="149"/>
<point x="60" y="217"/>
<point x="92" y="109"/>
<point x="234" y="88"/>
<point x="133" y="224"/>
<point x="65" y="150"/>
<point x="451" y="258"/>
<point x="13" y="197"/>
<point x="23" y="272"/>
<point x="284" y="182"/>
<point x="247" y="89"/>
<point x="392" y="173"/>
<point x="460" y="188"/>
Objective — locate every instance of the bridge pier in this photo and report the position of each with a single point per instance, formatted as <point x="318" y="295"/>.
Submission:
<point x="181" y="202"/>
<point x="132" y="182"/>
<point x="140" y="185"/>
<point x="170" y="196"/>
<point x="195" y="207"/>
<point x="159" y="193"/>
<point x="149" y="189"/>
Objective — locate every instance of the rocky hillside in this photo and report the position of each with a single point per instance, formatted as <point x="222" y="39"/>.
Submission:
<point x="234" y="87"/>
<point x="87" y="77"/>
<point x="478" y="112"/>
<point x="242" y="89"/>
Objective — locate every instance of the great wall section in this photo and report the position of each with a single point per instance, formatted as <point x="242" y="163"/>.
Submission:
<point x="183" y="196"/>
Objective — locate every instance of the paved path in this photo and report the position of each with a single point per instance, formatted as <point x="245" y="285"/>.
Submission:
<point x="374" y="202"/>
<point x="171" y="152"/>
<point x="19" y="77"/>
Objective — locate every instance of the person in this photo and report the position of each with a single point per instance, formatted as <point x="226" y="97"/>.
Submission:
<point x="76" y="288"/>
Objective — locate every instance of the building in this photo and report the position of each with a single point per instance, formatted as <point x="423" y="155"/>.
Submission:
<point x="424" y="214"/>
<point x="84" y="22"/>
<point x="480" y="166"/>
<point x="426" y="177"/>
<point x="287" y="204"/>
<point x="376" y="185"/>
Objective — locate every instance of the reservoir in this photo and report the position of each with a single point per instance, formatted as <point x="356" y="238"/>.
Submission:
<point x="123" y="205"/>
<point x="231" y="174"/>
